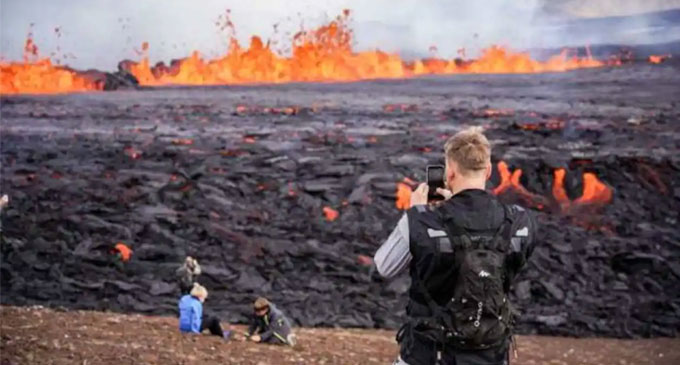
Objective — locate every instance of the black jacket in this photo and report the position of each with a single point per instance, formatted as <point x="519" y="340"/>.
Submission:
<point x="478" y="213"/>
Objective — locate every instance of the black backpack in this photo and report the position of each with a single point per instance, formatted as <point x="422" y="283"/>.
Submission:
<point x="478" y="314"/>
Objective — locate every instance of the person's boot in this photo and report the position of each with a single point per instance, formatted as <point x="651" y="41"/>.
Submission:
<point x="226" y="334"/>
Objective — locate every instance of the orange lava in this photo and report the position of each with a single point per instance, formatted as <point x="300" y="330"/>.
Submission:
<point x="403" y="196"/>
<point x="124" y="251"/>
<point x="498" y="112"/>
<point x="325" y="54"/>
<point x="330" y="213"/>
<point x="594" y="191"/>
<point x="552" y="124"/>
<point x="39" y="76"/>
<point x="183" y="141"/>
<point x="291" y="190"/>
<point x="595" y="195"/>
<point x="558" y="191"/>
<point x="509" y="181"/>
<point x="132" y="152"/>
<point x="658" y="58"/>
<point x="364" y="260"/>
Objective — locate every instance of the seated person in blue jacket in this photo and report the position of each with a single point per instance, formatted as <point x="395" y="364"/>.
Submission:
<point x="191" y="317"/>
<point x="270" y="325"/>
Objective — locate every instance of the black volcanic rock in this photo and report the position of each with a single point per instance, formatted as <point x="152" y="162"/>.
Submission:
<point x="173" y="172"/>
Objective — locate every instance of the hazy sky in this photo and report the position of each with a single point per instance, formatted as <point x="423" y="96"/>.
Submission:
<point x="98" y="34"/>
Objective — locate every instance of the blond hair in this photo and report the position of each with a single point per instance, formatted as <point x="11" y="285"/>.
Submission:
<point x="469" y="149"/>
<point x="199" y="291"/>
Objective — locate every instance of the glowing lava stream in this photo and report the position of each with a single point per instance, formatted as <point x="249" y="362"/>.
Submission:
<point x="40" y="76"/>
<point x="595" y="192"/>
<point x="403" y="196"/>
<point x="658" y="58"/>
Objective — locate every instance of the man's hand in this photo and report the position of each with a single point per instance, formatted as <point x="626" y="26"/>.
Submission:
<point x="419" y="196"/>
<point x="255" y="338"/>
<point x="447" y="194"/>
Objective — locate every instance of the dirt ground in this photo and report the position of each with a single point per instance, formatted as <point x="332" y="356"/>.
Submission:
<point x="36" y="335"/>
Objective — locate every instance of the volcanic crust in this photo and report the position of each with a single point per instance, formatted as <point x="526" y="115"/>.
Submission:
<point x="249" y="179"/>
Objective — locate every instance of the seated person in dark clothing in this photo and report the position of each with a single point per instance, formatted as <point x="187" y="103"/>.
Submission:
<point x="269" y="325"/>
<point x="191" y="319"/>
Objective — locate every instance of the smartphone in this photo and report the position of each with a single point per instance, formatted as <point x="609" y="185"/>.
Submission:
<point x="435" y="179"/>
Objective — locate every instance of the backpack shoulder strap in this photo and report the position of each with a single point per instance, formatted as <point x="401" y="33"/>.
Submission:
<point x="457" y="237"/>
<point x="419" y="282"/>
<point x="504" y="232"/>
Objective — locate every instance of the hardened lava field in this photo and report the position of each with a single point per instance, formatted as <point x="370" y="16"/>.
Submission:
<point x="288" y="190"/>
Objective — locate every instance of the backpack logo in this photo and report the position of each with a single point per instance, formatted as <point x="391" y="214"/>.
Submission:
<point x="435" y="233"/>
<point x="524" y="232"/>
<point x="484" y="274"/>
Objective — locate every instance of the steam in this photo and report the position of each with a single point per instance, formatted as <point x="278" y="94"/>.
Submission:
<point x="628" y="22"/>
<point x="606" y="8"/>
<point x="99" y="34"/>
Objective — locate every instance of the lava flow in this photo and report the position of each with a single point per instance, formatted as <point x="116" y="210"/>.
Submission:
<point x="325" y="54"/>
<point x="658" y="58"/>
<point x="510" y="183"/>
<point x="403" y="196"/>
<point x="595" y="192"/>
<point x="40" y="76"/>
<point x="330" y="213"/>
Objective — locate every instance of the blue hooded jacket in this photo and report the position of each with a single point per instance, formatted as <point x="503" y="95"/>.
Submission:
<point x="190" y="314"/>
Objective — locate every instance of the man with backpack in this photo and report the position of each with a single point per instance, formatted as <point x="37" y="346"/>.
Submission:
<point x="463" y="255"/>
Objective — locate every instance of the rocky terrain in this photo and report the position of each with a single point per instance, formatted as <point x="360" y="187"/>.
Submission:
<point x="41" y="336"/>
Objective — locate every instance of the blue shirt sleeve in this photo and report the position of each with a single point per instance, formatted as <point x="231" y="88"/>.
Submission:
<point x="196" y="317"/>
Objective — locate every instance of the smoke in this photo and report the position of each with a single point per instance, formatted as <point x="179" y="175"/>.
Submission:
<point x="99" y="34"/>
<point x="606" y="8"/>
<point x="627" y="22"/>
<point x="448" y="25"/>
